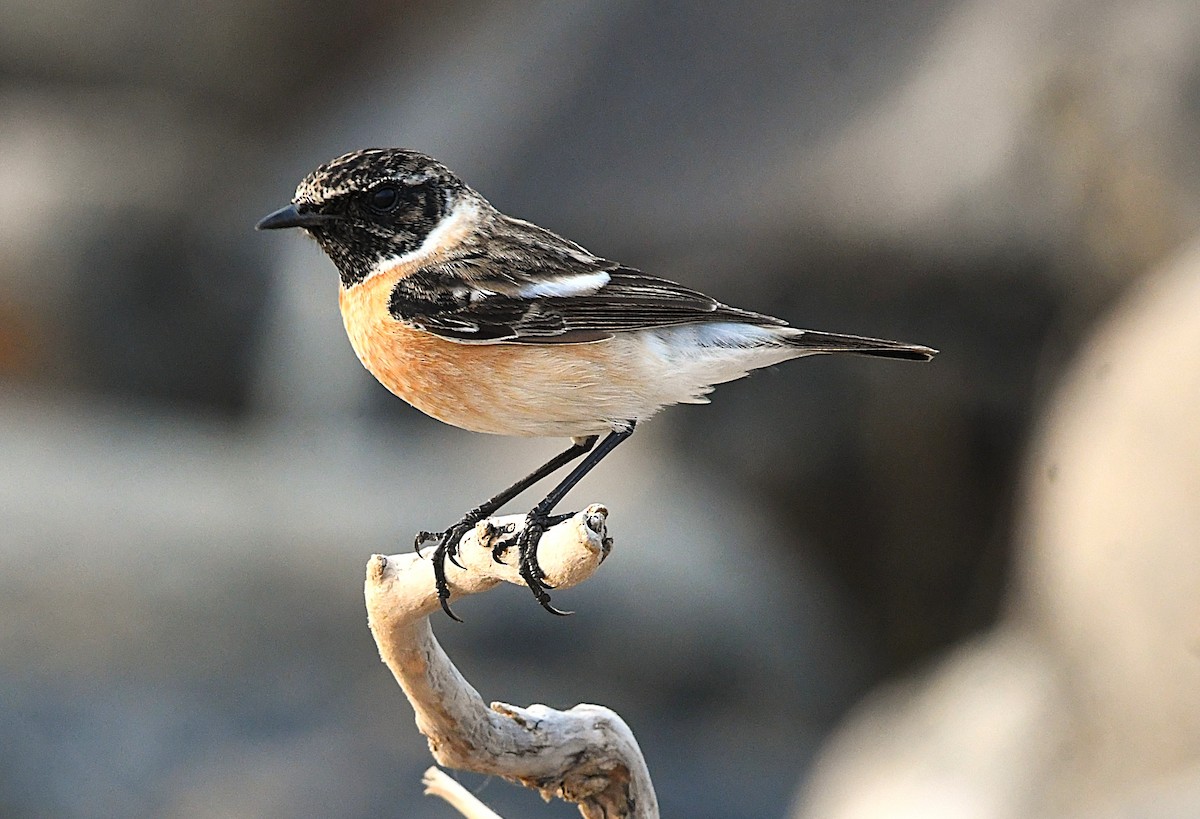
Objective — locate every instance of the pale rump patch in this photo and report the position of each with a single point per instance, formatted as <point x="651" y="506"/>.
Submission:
<point x="552" y="390"/>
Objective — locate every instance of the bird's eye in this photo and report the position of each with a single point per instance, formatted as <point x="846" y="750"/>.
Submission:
<point x="383" y="199"/>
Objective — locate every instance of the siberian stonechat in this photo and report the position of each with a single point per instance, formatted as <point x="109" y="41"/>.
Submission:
<point x="494" y="324"/>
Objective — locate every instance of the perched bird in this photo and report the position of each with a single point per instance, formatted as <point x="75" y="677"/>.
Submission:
<point x="494" y="324"/>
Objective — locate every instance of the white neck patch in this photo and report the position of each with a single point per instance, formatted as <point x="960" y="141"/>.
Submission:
<point x="450" y="229"/>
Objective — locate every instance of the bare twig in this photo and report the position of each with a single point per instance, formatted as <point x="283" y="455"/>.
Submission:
<point x="586" y="755"/>
<point x="438" y="784"/>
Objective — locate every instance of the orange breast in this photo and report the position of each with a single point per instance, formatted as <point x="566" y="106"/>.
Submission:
<point x="508" y="389"/>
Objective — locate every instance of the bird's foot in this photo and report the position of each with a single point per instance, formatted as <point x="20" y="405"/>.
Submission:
<point x="446" y="549"/>
<point x="503" y="538"/>
<point x="500" y="539"/>
<point x="536" y="524"/>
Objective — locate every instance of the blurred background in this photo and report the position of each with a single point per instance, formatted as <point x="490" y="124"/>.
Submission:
<point x="846" y="588"/>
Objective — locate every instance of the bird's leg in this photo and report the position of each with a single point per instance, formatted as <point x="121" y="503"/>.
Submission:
<point x="539" y="519"/>
<point x="447" y="541"/>
<point x="455" y="533"/>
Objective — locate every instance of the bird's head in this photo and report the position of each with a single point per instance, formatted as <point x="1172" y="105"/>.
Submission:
<point x="370" y="207"/>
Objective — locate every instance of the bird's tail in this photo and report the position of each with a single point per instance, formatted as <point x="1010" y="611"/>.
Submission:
<point x="811" y="342"/>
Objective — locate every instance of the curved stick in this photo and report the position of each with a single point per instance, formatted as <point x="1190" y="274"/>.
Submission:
<point x="586" y="755"/>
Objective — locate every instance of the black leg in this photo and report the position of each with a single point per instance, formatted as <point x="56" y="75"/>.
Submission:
<point x="538" y="519"/>
<point x="448" y="540"/>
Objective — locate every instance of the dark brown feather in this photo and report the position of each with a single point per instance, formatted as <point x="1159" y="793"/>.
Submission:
<point x="631" y="300"/>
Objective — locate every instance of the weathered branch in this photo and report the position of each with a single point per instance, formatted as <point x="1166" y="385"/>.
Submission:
<point x="438" y="784"/>
<point x="586" y="755"/>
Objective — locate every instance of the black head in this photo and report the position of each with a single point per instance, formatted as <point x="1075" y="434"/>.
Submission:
<point x="370" y="205"/>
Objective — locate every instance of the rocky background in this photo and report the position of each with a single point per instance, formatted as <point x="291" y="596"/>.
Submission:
<point x="846" y="588"/>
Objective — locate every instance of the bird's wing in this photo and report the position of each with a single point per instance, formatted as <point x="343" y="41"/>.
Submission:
<point x="518" y="258"/>
<point x="579" y="304"/>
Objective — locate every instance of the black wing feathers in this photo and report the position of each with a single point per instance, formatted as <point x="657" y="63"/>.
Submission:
<point x="630" y="300"/>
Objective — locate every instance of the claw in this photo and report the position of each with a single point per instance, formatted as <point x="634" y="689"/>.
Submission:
<point x="449" y="541"/>
<point x="531" y="572"/>
<point x="439" y="580"/>
<point x="422" y="538"/>
<point x="447" y="549"/>
<point x="544" y="600"/>
<point x="504" y="539"/>
<point x="445" y="601"/>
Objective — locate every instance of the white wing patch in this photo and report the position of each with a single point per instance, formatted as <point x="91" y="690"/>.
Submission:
<point x="581" y="284"/>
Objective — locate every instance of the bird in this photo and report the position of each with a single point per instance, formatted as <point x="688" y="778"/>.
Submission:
<point x="496" y="325"/>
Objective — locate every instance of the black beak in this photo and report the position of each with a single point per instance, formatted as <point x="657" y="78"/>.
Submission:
<point x="290" y="217"/>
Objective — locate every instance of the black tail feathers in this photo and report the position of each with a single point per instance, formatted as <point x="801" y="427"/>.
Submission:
<point x="814" y="341"/>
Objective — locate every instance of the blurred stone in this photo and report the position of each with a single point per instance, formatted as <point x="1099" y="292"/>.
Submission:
<point x="1087" y="703"/>
<point x="968" y="739"/>
<point x="1111" y="558"/>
